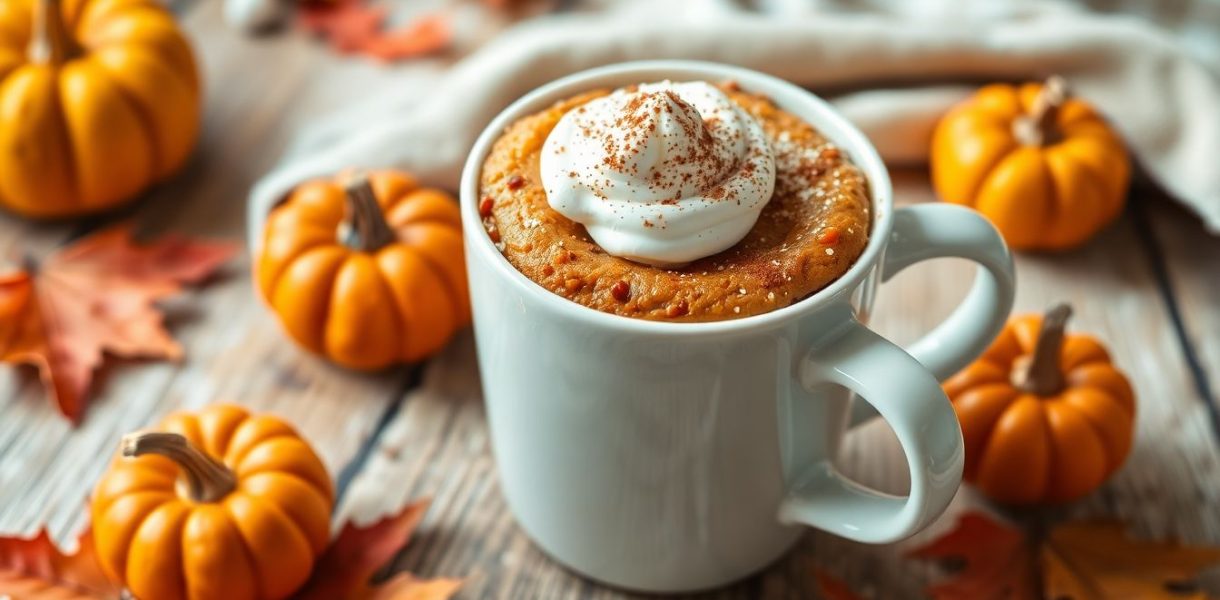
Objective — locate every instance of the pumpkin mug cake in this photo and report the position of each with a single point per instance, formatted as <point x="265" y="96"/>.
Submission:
<point x="674" y="201"/>
<point x="662" y="454"/>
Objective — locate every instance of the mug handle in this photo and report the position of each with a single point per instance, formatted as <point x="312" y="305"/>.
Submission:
<point x="912" y="402"/>
<point x="927" y="231"/>
<point x="903" y="387"/>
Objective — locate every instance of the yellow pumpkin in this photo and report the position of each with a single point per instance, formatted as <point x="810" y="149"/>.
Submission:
<point x="215" y="505"/>
<point x="98" y="100"/>
<point x="367" y="271"/>
<point x="1044" y="167"/>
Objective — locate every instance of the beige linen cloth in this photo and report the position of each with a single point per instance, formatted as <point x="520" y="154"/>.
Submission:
<point x="892" y="69"/>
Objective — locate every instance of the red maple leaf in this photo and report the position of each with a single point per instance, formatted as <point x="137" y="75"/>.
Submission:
<point x="354" y="26"/>
<point x="995" y="560"/>
<point x="97" y="296"/>
<point x="833" y="588"/>
<point x="424" y="35"/>
<point x="35" y="569"/>
<point x="346" y="569"/>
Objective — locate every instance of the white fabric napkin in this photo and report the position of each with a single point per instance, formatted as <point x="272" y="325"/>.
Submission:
<point x="892" y="70"/>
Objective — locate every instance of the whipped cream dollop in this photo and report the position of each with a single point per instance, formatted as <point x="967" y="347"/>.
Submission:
<point x="661" y="173"/>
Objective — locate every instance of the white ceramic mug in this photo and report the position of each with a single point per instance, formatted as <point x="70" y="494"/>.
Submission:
<point x="682" y="456"/>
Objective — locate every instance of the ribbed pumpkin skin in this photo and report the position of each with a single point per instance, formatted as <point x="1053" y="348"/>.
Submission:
<point x="93" y="131"/>
<point x="258" y="542"/>
<point x="1052" y="196"/>
<point x="1023" y="448"/>
<point x="366" y="310"/>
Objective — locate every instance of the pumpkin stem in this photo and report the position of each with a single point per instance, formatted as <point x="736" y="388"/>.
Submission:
<point x="50" y="43"/>
<point x="1037" y="127"/>
<point x="364" y="228"/>
<point x="207" y="479"/>
<point x="1042" y="375"/>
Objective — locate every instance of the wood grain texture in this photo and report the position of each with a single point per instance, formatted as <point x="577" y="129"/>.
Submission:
<point x="259" y="92"/>
<point x="438" y="443"/>
<point x="234" y="349"/>
<point x="1191" y="259"/>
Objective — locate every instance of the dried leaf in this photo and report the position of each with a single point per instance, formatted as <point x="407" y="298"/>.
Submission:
<point x="354" y="26"/>
<point x="1079" y="560"/>
<point x="404" y="586"/>
<point x="1098" y="561"/>
<point x="424" y="35"/>
<point x="994" y="559"/>
<point x="95" y="296"/>
<point x="833" y="588"/>
<point x="35" y="569"/>
<point x="345" y="571"/>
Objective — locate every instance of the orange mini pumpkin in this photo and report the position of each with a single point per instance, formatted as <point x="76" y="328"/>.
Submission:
<point x="369" y="273"/>
<point x="98" y="100"/>
<point x="1044" y="167"/>
<point x="219" y="505"/>
<point x="1046" y="418"/>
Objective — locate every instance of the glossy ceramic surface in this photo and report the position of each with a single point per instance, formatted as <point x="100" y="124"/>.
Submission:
<point x="674" y="457"/>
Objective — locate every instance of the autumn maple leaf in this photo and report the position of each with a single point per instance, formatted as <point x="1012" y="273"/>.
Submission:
<point x="1097" y="560"/>
<point x="345" y="570"/>
<point x="833" y="588"/>
<point x="35" y="569"/>
<point x="995" y="561"/>
<point x="354" y="26"/>
<point x="93" y="297"/>
<point x="1079" y="560"/>
<point x="424" y="35"/>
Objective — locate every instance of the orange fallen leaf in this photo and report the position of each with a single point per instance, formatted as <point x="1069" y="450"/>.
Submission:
<point x="346" y="569"/>
<point x="35" y="569"/>
<point x="995" y="561"/>
<point x="425" y="35"/>
<point x="1077" y="560"/>
<point x="1097" y="560"/>
<point x="404" y="586"/>
<point x="97" y="296"/>
<point x="354" y="26"/>
<point x="833" y="588"/>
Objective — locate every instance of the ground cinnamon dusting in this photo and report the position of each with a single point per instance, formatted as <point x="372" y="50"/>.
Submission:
<point x="813" y="229"/>
<point x="626" y="136"/>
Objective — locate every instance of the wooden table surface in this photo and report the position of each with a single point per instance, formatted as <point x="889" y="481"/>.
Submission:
<point x="1149" y="285"/>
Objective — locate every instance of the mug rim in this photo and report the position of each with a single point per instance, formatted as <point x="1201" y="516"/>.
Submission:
<point x="790" y="97"/>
